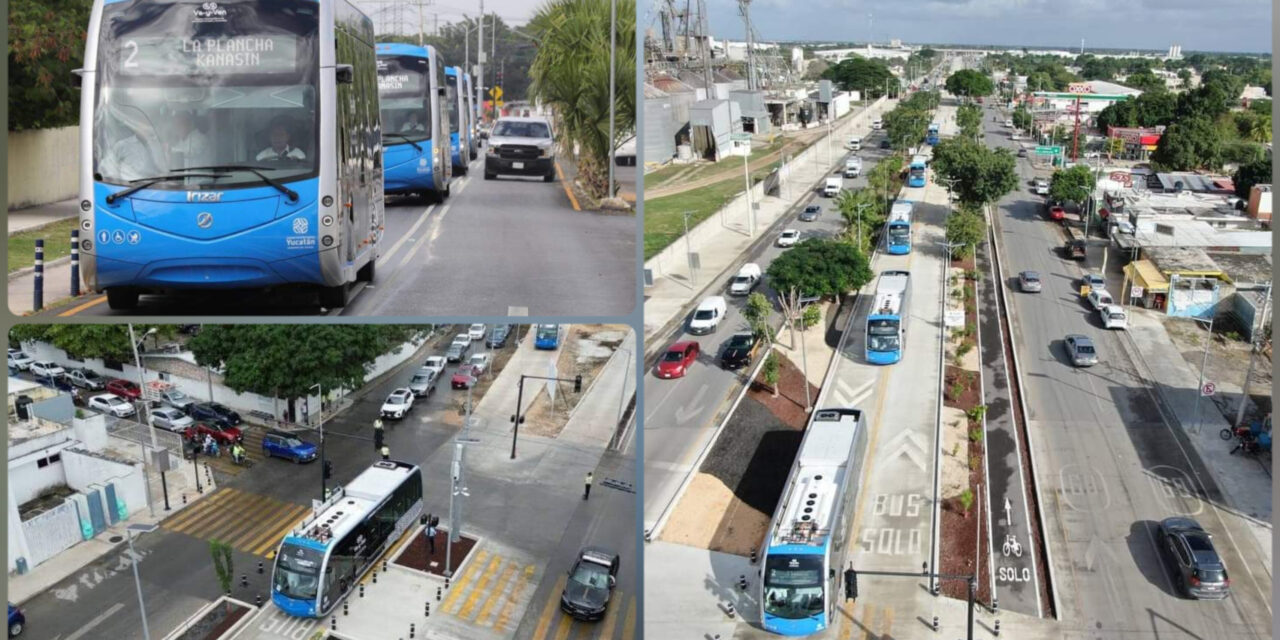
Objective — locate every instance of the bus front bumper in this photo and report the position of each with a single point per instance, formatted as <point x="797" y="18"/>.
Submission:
<point x="884" y="357"/>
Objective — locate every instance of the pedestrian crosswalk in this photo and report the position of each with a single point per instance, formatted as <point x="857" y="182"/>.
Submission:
<point x="865" y="621"/>
<point x="249" y="522"/>
<point x="252" y="448"/>
<point x="490" y="590"/>
<point x="619" y="622"/>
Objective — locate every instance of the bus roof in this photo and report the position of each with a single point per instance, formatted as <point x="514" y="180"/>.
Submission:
<point x="890" y="289"/>
<point x="403" y="49"/>
<point x="918" y="160"/>
<point x="814" y="487"/>
<point x="350" y="504"/>
<point x="450" y="71"/>
<point x="901" y="209"/>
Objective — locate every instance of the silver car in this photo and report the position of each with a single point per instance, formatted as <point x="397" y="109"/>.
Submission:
<point x="170" y="419"/>
<point x="1081" y="350"/>
<point x="1029" y="282"/>
<point x="423" y="382"/>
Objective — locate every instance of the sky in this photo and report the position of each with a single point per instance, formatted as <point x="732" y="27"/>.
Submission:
<point x="406" y="12"/>
<point x="1198" y="25"/>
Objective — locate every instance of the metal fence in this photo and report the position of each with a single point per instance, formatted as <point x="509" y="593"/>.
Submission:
<point x="51" y="532"/>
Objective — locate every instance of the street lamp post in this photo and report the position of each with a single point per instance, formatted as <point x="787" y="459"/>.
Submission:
<point x="1204" y="361"/>
<point x="861" y="206"/>
<point x="688" y="248"/>
<point x="137" y="581"/>
<point x="323" y="488"/>
<point x="613" y="45"/>
<point x="146" y="420"/>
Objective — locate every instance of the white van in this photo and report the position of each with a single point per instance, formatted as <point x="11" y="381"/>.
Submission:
<point x="832" y="186"/>
<point x="746" y="280"/>
<point x="853" y="167"/>
<point x="706" y="318"/>
<point x="877" y="124"/>
<point x="855" y="144"/>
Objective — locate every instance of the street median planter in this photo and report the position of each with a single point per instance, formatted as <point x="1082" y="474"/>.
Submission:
<point x="221" y="619"/>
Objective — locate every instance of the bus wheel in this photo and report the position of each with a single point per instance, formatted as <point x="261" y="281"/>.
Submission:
<point x="366" y="273"/>
<point x="550" y="177"/>
<point x="460" y="170"/>
<point x="122" y="298"/>
<point x="448" y="188"/>
<point x="333" y="297"/>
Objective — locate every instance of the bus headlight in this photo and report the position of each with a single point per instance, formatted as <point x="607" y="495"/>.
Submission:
<point x="86" y="224"/>
<point x="327" y="220"/>
<point x="327" y="241"/>
<point x="86" y="245"/>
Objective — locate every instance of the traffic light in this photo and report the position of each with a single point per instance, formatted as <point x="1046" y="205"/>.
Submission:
<point x="328" y="469"/>
<point x="377" y="438"/>
<point x="850" y="584"/>
<point x="499" y="78"/>
<point x="577" y="383"/>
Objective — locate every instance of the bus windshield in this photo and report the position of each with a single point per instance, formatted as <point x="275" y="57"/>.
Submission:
<point x="297" y="573"/>
<point x="548" y="333"/>
<point x="451" y="95"/>
<point x="402" y="93"/>
<point x="793" y="586"/>
<point x="899" y="231"/>
<point x="882" y="335"/>
<point x="188" y="84"/>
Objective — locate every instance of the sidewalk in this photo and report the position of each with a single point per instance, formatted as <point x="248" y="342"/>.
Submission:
<point x="721" y="249"/>
<point x="44" y="576"/>
<point x="57" y="286"/>
<point x="595" y="418"/>
<point x="40" y="215"/>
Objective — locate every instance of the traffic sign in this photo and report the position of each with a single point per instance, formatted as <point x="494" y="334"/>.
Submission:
<point x="1049" y="151"/>
<point x="495" y="93"/>
<point x="1207" y="389"/>
<point x="740" y="137"/>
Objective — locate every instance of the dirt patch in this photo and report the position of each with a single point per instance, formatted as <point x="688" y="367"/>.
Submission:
<point x="789" y="405"/>
<point x="458" y="397"/>
<point x="215" y="622"/>
<point x="1228" y="361"/>
<point x="584" y="352"/>
<point x="955" y="456"/>
<point x="417" y="555"/>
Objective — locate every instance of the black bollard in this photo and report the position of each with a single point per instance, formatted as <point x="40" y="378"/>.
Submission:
<point x="361" y="589"/>
<point x="996" y="631"/>
<point x="375" y="577"/>
<point x="935" y="624"/>
<point x="333" y="623"/>
<point x="742" y="582"/>
<point x="75" y="262"/>
<point x="439" y="590"/>
<point x="411" y="631"/>
<point x="729" y="610"/>
<point x="38" y="302"/>
<point x="244" y="580"/>
<point x="753" y="556"/>
<point x="995" y="605"/>
<point x="257" y="599"/>
<point x="259" y="566"/>
<point x="344" y="608"/>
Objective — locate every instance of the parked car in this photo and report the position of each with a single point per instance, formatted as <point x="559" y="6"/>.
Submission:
<point x="1114" y="317"/>
<point x="464" y="377"/>
<point x="677" y="360"/>
<point x="590" y="585"/>
<point x="221" y="433"/>
<point x="46" y="369"/>
<point x="124" y="389"/>
<point x="477" y="331"/>
<point x="739" y="350"/>
<point x="215" y="413"/>
<point x="1074" y="249"/>
<point x="278" y="444"/>
<point x="1099" y="298"/>
<point x="87" y="379"/>
<point x="523" y="146"/>
<point x="746" y="280"/>
<point x="480" y="362"/>
<point x="884" y="144"/>
<point x="1029" y="282"/>
<point x="19" y="360"/>
<point x="399" y="403"/>
<point x="1008" y="123"/>
<point x="1093" y="280"/>
<point x="457" y="351"/>
<point x="788" y="237"/>
<point x="811" y="213"/>
<point x="17" y="621"/>
<point x="547" y="336"/>
<point x="1121" y="226"/>
<point x="1080" y="349"/>
<point x="423" y="382"/>
<point x="1198" y="569"/>
<point x="170" y="419"/>
<point x="1022" y="153"/>
<point x="463" y="338"/>
<point x="1057" y="213"/>
<point x="706" y="318"/>
<point x="498" y="336"/>
<point x="178" y="399"/>
<point x="436" y="363"/>
<point x="112" y="404"/>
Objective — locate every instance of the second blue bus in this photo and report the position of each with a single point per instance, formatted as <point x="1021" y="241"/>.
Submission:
<point x="415" y="124"/>
<point x="932" y="136"/>
<point x="455" y="94"/>
<point x="916" y="171"/>
<point x="897" y="230"/>
<point x="887" y="320"/>
<point x="322" y="559"/>
<point x="806" y="544"/>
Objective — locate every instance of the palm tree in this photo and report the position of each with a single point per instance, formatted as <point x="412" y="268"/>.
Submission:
<point x="570" y="74"/>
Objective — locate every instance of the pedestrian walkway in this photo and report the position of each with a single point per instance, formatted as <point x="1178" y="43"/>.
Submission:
<point x="249" y="522"/>
<point x="57" y="287"/>
<point x="595" y="418"/>
<point x="719" y="248"/>
<point x="41" y="215"/>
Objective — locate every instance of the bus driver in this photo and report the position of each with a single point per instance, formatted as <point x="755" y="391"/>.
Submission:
<point x="279" y="148"/>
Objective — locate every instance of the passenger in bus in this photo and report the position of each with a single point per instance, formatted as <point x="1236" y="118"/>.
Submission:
<point x="190" y="147"/>
<point x="280" y="148"/>
<point x="412" y="125"/>
<point x="129" y="158"/>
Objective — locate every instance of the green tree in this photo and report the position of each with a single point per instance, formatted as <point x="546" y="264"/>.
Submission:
<point x="966" y="227"/>
<point x="1185" y="76"/>
<point x="512" y="53"/>
<point x="1208" y="101"/>
<point x="772" y="371"/>
<point x="820" y="267"/>
<point x="982" y="175"/>
<point x="1022" y="118"/>
<point x="223" y="564"/>
<point x="859" y="209"/>
<point x="861" y="74"/>
<point x="1247" y="175"/>
<point x="46" y="42"/>
<point x="969" y="83"/>
<point x="1240" y="152"/>
<point x="758" y="312"/>
<point x="906" y="127"/>
<point x="570" y="74"/>
<point x="106" y="341"/>
<point x="1254" y="126"/>
<point x="969" y="118"/>
<point x="1190" y="143"/>
<point x="1145" y="81"/>
<point x="1072" y="185"/>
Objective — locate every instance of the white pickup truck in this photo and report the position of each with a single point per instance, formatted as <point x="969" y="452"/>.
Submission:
<point x="832" y="186"/>
<point x="853" y="167"/>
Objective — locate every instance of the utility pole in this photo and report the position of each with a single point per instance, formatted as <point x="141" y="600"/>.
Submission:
<point x="1254" y="347"/>
<point x="145" y="414"/>
<point x="613" y="45"/>
<point x="480" y="49"/>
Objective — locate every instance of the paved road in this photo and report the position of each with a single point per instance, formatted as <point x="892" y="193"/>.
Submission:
<point x="510" y="246"/>
<point x="537" y="523"/>
<point x="681" y="414"/>
<point x="1110" y="468"/>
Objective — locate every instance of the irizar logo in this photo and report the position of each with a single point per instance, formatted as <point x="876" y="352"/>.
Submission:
<point x="204" y="219"/>
<point x="204" y="196"/>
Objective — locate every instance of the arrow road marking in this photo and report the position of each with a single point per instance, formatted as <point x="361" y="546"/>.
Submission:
<point x="694" y="406"/>
<point x="1008" y="512"/>
<point x="911" y="448"/>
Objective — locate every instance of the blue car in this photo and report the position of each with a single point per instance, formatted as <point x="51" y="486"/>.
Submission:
<point x="17" y="621"/>
<point x="283" y="445"/>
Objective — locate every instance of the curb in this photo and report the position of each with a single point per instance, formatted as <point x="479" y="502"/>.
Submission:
<point x="26" y="271"/>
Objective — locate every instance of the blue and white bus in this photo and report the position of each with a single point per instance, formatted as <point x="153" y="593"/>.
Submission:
<point x="887" y="319"/>
<point x="547" y="336"/>
<point x="916" y="171"/>
<point x="457" y="99"/>
<point x="414" y="121"/>
<point x="897" y="229"/>
<point x="932" y="136"/>
<point x="807" y="543"/>
<point x="232" y="145"/>
<point x="322" y="559"/>
<point x="473" y="116"/>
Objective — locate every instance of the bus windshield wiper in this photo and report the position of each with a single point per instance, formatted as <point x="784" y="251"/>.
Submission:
<point x="258" y="171"/>
<point x="405" y="138"/>
<point x="143" y="183"/>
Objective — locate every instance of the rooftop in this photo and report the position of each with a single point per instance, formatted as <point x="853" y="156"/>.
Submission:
<point x="1181" y="260"/>
<point x="1191" y="233"/>
<point x="1243" y="268"/>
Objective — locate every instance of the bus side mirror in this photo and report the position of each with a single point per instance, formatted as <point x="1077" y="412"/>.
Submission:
<point x="344" y="73"/>
<point x="76" y="76"/>
<point x="440" y="91"/>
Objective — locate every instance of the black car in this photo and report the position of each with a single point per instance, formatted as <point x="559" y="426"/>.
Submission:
<point x="739" y="350"/>
<point x="591" y="582"/>
<point x="215" y="413"/>
<point x="498" y="336"/>
<point x="1198" y="569"/>
<point x="811" y="213"/>
<point x="884" y="144"/>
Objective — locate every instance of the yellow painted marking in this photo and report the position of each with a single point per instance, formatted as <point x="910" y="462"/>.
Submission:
<point x="485" y="579"/>
<point x="846" y="622"/>
<point x="544" y="620"/>
<point x="867" y="617"/>
<point x="573" y="200"/>
<point x="199" y="513"/>
<point x="194" y="508"/>
<point x="887" y="629"/>
<point x="273" y="512"/>
<point x="611" y="616"/>
<point x="77" y="309"/>
<point x="522" y="583"/>
<point x="467" y="577"/>
<point x="500" y="587"/>
<point x="629" y="625"/>
<point x="565" y="626"/>
<point x="239" y="513"/>
<point x="271" y="537"/>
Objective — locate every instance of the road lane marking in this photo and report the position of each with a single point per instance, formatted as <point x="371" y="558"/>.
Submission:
<point x="629" y="624"/>
<point x="77" y="309"/>
<point x="272" y="537"/>
<point x="611" y="617"/>
<point x="573" y="200"/>
<point x="95" y="622"/>
<point x="565" y="626"/>
<point x="868" y="614"/>
<point x="386" y="257"/>
<point x="544" y="620"/>
<point x="479" y="589"/>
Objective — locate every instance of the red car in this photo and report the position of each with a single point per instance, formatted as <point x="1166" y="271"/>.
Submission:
<point x="1057" y="213"/>
<point x="223" y="435"/>
<point x="124" y="389"/>
<point x="465" y="376"/>
<point x="675" y="362"/>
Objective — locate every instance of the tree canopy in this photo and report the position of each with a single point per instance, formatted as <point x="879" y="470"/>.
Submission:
<point x="1249" y="174"/>
<point x="982" y="175"/>
<point x="967" y="227"/>
<point x="1072" y="185"/>
<point x="861" y="74"/>
<point x="46" y="42"/>
<point x="1188" y="144"/>
<point x="106" y="341"/>
<point x="820" y="267"/>
<point x="1147" y="110"/>
<point x="970" y="82"/>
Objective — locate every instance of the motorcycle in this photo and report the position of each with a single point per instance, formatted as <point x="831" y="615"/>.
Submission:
<point x="1243" y="432"/>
